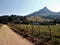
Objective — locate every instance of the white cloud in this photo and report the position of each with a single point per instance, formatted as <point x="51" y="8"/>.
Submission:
<point x="55" y="8"/>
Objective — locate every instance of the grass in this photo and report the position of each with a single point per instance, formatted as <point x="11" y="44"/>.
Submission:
<point x="32" y="18"/>
<point x="44" y="31"/>
<point x="1" y="25"/>
<point x="43" y="28"/>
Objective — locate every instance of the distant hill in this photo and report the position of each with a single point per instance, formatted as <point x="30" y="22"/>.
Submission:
<point x="37" y="18"/>
<point x="45" y="13"/>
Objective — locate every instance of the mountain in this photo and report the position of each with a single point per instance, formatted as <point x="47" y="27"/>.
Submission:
<point x="46" y="13"/>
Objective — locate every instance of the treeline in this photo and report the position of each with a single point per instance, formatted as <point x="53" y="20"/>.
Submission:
<point x="23" y="20"/>
<point x="11" y="19"/>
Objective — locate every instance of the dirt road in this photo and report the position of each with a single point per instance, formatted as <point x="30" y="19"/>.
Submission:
<point x="8" y="37"/>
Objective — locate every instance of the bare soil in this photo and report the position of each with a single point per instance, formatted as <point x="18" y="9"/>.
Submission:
<point x="8" y="37"/>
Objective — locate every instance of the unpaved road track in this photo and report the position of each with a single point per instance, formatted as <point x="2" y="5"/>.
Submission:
<point x="8" y="37"/>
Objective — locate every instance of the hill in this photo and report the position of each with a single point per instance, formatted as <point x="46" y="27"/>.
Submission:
<point x="45" y="13"/>
<point x="37" y="18"/>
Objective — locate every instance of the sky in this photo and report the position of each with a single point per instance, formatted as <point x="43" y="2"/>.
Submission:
<point x="25" y="7"/>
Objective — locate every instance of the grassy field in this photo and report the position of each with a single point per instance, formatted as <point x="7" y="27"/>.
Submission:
<point x="32" y="18"/>
<point x="1" y="25"/>
<point x="42" y="32"/>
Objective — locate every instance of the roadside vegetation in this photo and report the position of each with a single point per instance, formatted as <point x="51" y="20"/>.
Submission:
<point x="46" y="33"/>
<point x="1" y="25"/>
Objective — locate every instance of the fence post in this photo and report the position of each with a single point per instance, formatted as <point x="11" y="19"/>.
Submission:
<point x="32" y="29"/>
<point x="27" y="29"/>
<point x="39" y="29"/>
<point x="50" y="30"/>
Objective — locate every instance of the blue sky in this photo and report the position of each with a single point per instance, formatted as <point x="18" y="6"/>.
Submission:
<point x="24" y="7"/>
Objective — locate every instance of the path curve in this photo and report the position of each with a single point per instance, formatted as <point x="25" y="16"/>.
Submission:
<point x="8" y="37"/>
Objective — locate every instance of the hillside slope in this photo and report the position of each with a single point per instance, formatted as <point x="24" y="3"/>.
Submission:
<point x="37" y="18"/>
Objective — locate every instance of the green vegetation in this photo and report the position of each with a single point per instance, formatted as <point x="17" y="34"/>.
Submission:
<point x="42" y="32"/>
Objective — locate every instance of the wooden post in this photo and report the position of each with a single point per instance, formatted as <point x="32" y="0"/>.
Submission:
<point x="32" y="29"/>
<point x="39" y="29"/>
<point x="50" y="30"/>
<point x="27" y="30"/>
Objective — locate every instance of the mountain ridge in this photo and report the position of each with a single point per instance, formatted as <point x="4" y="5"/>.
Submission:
<point x="45" y="13"/>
